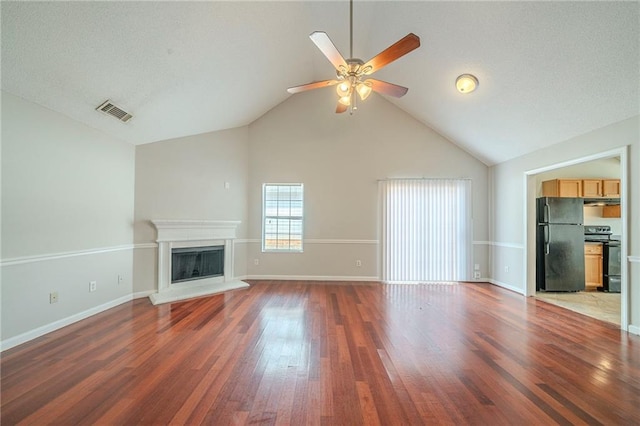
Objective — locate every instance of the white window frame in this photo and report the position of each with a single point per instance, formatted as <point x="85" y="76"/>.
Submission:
<point x="265" y="217"/>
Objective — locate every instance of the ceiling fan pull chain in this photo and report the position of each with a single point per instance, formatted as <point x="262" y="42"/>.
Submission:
<point x="354" y="104"/>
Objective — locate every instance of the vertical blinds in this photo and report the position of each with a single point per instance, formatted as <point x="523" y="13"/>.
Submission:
<point x="426" y="230"/>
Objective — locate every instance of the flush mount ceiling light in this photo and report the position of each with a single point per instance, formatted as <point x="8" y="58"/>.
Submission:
<point x="466" y="83"/>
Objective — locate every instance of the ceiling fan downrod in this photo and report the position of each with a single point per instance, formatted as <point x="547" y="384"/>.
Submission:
<point x="351" y="28"/>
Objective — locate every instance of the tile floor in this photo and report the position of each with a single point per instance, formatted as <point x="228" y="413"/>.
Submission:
<point x="603" y="306"/>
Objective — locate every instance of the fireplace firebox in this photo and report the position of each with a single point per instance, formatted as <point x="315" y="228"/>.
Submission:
<point x="196" y="263"/>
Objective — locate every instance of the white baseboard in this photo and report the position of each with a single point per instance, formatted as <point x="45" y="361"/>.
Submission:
<point x="634" y="329"/>
<point x="477" y="280"/>
<point x="41" y="331"/>
<point x="309" y="278"/>
<point x="142" y="294"/>
<point x="507" y="286"/>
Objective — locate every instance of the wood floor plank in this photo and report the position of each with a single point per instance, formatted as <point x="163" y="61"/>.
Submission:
<point x="294" y="352"/>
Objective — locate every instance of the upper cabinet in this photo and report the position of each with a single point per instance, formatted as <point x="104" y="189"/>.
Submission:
<point x="592" y="188"/>
<point x="587" y="188"/>
<point x="562" y="188"/>
<point x="611" y="188"/>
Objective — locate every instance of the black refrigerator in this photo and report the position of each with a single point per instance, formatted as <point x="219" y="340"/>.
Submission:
<point x="560" y="244"/>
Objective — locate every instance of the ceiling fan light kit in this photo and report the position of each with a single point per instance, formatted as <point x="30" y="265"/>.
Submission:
<point x="466" y="83"/>
<point x="364" y="90"/>
<point x="352" y="74"/>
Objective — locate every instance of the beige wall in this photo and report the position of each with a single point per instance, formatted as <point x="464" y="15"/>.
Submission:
<point x="608" y="168"/>
<point x="339" y="159"/>
<point x="65" y="186"/>
<point x="67" y="218"/>
<point x="185" y="179"/>
<point x="508" y="187"/>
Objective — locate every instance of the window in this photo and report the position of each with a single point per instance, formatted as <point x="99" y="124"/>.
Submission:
<point x="282" y="213"/>
<point x="426" y="233"/>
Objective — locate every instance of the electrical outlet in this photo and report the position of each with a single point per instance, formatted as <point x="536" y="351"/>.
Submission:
<point x="476" y="275"/>
<point x="120" y="279"/>
<point x="53" y="297"/>
<point x="256" y="261"/>
<point x="227" y="185"/>
<point x="93" y="286"/>
<point x="506" y="269"/>
<point x="358" y="263"/>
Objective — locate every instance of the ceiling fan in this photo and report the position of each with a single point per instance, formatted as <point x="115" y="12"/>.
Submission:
<point x="352" y="74"/>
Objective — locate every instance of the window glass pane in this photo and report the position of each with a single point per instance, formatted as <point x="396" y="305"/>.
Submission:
<point x="270" y="208"/>
<point x="283" y="228"/>
<point x="296" y="193"/>
<point x="296" y="208"/>
<point x="284" y="201"/>
<point x="271" y="192"/>
<point x="296" y="227"/>
<point x="270" y="241"/>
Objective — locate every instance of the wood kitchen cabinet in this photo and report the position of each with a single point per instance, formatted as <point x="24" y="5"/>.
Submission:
<point x="562" y="188"/>
<point x="592" y="188"/>
<point x="611" y="188"/>
<point x="593" y="265"/>
<point x="586" y="188"/>
<point x="611" y="211"/>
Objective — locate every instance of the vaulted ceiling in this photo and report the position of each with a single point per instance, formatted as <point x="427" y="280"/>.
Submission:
<point x="548" y="71"/>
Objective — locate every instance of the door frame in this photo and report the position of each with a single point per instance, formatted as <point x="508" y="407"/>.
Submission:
<point x="529" y="231"/>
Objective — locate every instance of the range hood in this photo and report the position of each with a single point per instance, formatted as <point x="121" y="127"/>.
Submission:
<point x="591" y="202"/>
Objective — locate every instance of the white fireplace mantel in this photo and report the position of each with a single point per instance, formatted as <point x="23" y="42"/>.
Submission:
<point x="190" y="230"/>
<point x="193" y="233"/>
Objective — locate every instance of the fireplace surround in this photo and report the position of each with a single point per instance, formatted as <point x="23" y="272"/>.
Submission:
<point x="180" y="236"/>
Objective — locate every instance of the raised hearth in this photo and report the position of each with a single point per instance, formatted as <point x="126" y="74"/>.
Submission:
<point x="197" y="235"/>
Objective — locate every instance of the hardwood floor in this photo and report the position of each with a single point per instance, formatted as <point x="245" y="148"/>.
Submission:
<point x="319" y="353"/>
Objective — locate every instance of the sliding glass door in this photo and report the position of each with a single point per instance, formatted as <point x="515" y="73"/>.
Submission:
<point x="426" y="230"/>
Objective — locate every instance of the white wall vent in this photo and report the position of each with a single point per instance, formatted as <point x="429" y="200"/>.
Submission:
<point x="110" y="109"/>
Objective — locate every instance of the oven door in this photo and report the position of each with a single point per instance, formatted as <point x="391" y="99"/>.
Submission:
<point x="612" y="259"/>
<point x="612" y="283"/>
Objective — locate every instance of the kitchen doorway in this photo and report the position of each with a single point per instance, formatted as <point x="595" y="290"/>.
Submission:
<point x="608" y="306"/>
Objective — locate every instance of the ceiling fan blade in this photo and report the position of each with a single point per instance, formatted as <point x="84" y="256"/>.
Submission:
<point x="391" y="53"/>
<point x="328" y="49"/>
<point x="340" y="108"/>
<point x="387" y="88"/>
<point x="310" y="86"/>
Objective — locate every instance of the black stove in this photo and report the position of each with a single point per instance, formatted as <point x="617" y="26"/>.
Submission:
<point x="611" y="258"/>
<point x="597" y="234"/>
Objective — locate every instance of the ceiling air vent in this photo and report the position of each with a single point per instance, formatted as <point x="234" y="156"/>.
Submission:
<point x="110" y="109"/>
